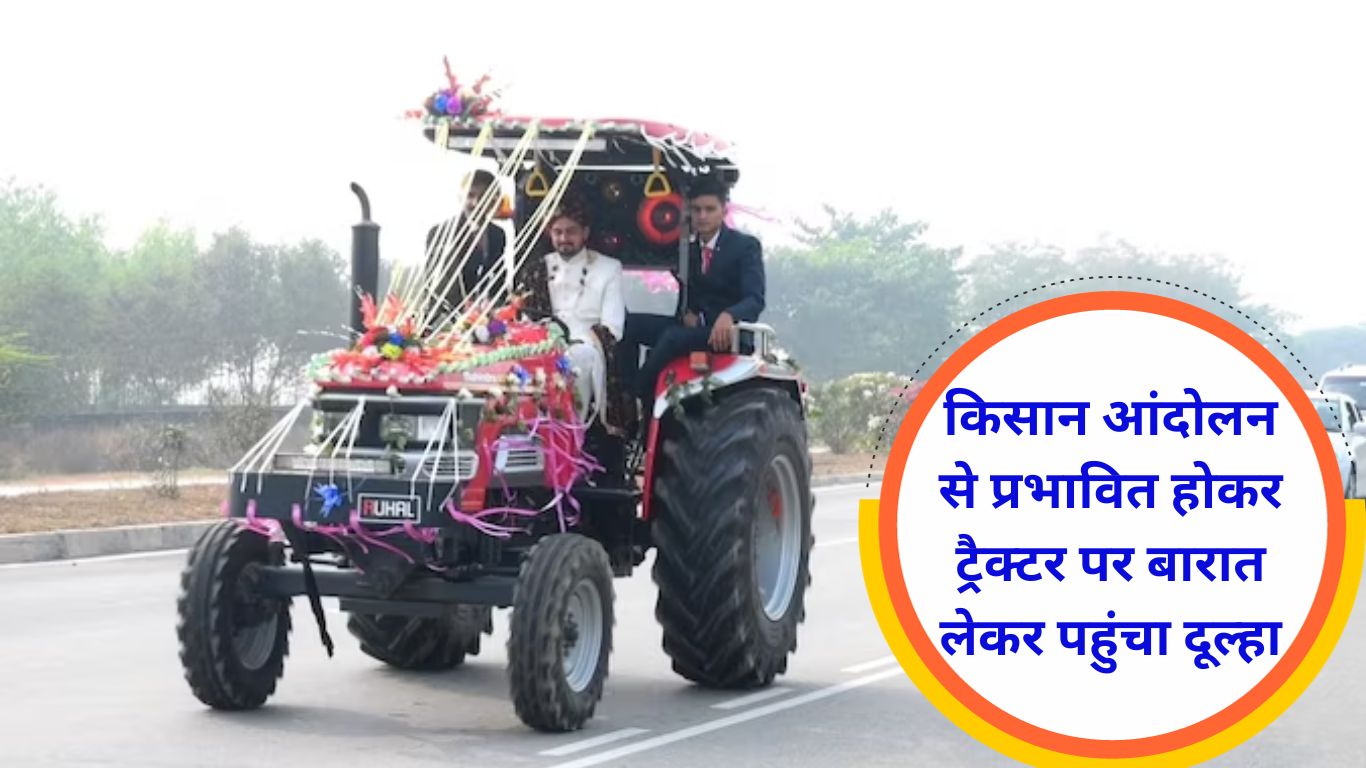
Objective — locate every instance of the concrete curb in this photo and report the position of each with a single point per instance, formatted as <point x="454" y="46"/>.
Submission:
<point x="97" y="542"/>
<point x="860" y="478"/>
<point x="124" y="540"/>
<point x="14" y="490"/>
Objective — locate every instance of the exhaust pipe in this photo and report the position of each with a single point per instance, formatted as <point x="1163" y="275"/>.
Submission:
<point x="364" y="260"/>
<point x="364" y="281"/>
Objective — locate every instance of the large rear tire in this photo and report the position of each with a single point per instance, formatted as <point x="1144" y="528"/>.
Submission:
<point x="732" y="530"/>
<point x="426" y="643"/>
<point x="561" y="633"/>
<point x="233" y="640"/>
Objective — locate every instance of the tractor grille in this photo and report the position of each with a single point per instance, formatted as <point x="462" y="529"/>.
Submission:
<point x="460" y="467"/>
<point x="527" y="459"/>
<point x="463" y="466"/>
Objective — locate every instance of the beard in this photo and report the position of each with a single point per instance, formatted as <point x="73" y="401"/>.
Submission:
<point x="566" y="250"/>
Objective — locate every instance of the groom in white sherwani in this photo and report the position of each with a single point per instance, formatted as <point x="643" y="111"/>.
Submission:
<point x="585" y="291"/>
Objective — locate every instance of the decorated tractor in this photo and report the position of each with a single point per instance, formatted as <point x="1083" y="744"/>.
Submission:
<point x="449" y="469"/>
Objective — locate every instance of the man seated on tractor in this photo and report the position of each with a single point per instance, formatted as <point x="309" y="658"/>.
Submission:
<point x="488" y="249"/>
<point x="586" y="295"/>
<point x="725" y="285"/>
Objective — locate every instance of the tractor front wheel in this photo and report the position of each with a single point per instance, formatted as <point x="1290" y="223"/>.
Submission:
<point x="233" y="639"/>
<point x="561" y="633"/>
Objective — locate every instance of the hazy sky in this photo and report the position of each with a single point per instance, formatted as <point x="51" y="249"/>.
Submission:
<point x="1228" y="128"/>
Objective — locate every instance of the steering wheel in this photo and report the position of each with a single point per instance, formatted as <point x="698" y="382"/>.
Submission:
<point x="550" y="318"/>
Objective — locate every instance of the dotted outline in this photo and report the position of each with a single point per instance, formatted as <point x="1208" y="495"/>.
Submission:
<point x="901" y="395"/>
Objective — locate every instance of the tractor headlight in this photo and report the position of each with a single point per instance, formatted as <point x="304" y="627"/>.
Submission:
<point x="325" y="423"/>
<point x="394" y="428"/>
<point x="422" y="429"/>
<point x="316" y="464"/>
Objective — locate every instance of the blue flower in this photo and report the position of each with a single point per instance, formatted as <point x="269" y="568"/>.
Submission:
<point x="396" y="338"/>
<point x="563" y="366"/>
<point x="332" y="498"/>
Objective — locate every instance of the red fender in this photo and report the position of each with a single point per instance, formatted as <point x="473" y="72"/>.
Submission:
<point x="683" y="372"/>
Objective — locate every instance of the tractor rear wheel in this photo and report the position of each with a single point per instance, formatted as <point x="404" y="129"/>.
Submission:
<point x="732" y="526"/>
<point x="422" y="642"/>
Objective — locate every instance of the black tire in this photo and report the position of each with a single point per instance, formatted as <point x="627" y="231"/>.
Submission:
<point x="711" y="489"/>
<point x="233" y="642"/>
<point x="549" y="692"/>
<point x="427" y="643"/>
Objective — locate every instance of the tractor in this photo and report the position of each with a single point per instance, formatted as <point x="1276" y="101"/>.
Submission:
<point x="447" y="476"/>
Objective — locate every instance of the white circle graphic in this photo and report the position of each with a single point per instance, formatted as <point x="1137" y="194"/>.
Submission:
<point x="1155" y="672"/>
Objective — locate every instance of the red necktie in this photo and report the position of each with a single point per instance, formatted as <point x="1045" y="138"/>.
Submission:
<point x="706" y="258"/>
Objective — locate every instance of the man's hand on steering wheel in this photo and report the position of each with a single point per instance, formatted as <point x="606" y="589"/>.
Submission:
<point x="557" y="321"/>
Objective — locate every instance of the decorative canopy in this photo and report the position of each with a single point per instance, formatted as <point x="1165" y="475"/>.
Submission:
<point x="457" y="114"/>
<point x="616" y="142"/>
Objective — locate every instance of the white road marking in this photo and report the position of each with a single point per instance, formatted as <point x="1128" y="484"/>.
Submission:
<point x="726" y="722"/>
<point x="101" y="558"/>
<point x="868" y="666"/>
<point x="753" y="698"/>
<point x="596" y="741"/>
<point x="850" y="486"/>
<point x="837" y="542"/>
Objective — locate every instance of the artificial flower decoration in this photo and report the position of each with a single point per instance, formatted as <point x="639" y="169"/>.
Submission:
<point x="511" y="311"/>
<point x="462" y="101"/>
<point x="332" y="498"/>
<point x="385" y="335"/>
<point x="391" y="353"/>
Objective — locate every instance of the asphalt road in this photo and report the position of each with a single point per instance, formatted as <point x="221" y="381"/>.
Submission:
<point x="89" y="677"/>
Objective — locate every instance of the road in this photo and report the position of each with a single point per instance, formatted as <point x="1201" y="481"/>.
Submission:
<point x="89" y="677"/>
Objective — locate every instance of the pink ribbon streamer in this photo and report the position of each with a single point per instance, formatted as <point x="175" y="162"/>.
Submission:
<point x="361" y="535"/>
<point x="336" y="533"/>
<point x="565" y="464"/>
<point x="477" y="521"/>
<point x="745" y="210"/>
<point x="264" y="526"/>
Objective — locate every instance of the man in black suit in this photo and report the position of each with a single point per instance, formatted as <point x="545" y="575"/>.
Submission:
<point x="725" y="286"/>
<point x="487" y="251"/>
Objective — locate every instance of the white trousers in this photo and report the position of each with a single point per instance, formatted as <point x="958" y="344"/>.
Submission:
<point x="590" y="378"/>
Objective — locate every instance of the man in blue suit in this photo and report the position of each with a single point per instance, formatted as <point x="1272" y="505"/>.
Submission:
<point x="487" y="251"/>
<point x="725" y="286"/>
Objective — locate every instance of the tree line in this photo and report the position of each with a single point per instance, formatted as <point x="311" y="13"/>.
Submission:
<point x="85" y="327"/>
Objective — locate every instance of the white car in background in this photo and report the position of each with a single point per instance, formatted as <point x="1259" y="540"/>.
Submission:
<point x="1349" y="380"/>
<point x="1342" y="418"/>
